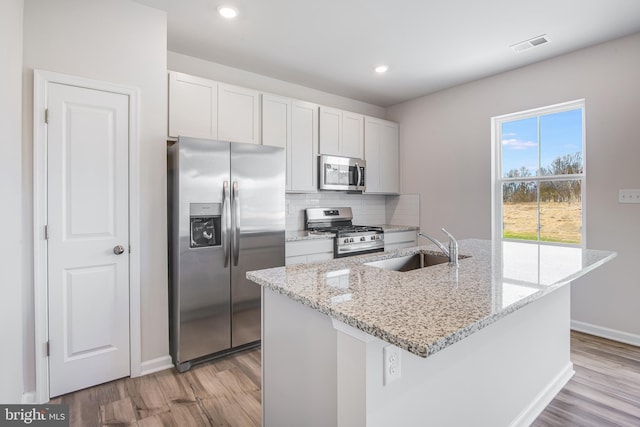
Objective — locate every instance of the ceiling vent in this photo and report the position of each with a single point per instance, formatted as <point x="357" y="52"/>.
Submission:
<point x="528" y="44"/>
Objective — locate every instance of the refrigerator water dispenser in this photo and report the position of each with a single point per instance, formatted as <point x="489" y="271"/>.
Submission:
<point x="204" y="224"/>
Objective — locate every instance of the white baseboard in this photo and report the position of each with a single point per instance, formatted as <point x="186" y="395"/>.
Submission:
<point x="148" y="367"/>
<point x="530" y="413"/>
<point x="29" y="398"/>
<point x="601" y="331"/>
<point x="155" y="365"/>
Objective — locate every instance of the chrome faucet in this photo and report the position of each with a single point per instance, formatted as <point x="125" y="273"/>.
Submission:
<point x="451" y="252"/>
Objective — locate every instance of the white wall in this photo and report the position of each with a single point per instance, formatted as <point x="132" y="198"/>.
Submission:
<point x="11" y="197"/>
<point x="211" y="70"/>
<point x="121" y="42"/>
<point x="445" y="141"/>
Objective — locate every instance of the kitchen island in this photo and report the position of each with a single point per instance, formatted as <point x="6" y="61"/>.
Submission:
<point x="484" y="343"/>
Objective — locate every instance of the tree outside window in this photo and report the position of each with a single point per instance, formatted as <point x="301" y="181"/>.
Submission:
<point x="539" y="171"/>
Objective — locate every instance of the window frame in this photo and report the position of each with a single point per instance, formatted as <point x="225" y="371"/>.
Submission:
<point x="498" y="180"/>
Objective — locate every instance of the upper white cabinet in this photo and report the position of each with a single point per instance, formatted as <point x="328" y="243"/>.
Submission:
<point x="238" y="114"/>
<point x="330" y="131"/>
<point x="193" y="106"/>
<point x="293" y="124"/>
<point x="276" y="120"/>
<point x="341" y="133"/>
<point x="352" y="135"/>
<point x="381" y="151"/>
<point x="302" y="152"/>
<point x="204" y="108"/>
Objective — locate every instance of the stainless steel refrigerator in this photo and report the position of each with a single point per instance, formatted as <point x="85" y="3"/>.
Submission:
<point x="226" y="217"/>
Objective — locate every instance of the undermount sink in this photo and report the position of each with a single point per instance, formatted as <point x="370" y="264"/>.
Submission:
<point x="410" y="262"/>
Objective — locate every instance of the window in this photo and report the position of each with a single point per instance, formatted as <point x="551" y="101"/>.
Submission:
<point x="538" y="175"/>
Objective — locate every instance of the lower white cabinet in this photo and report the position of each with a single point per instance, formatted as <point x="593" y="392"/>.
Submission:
<point x="400" y="239"/>
<point x="303" y="251"/>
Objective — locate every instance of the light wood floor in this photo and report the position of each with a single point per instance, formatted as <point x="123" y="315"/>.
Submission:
<point x="604" y="392"/>
<point x="224" y="392"/>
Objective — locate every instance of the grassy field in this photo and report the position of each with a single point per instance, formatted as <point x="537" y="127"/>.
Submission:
<point x="559" y="222"/>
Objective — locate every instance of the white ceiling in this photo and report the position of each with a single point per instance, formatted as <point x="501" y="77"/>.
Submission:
<point x="333" y="45"/>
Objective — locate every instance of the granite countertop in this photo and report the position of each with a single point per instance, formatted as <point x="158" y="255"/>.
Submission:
<point x="426" y="310"/>
<point x="294" y="236"/>
<point x="390" y="228"/>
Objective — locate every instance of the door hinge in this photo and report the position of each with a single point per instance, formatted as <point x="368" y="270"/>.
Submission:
<point x="46" y="115"/>
<point x="48" y="348"/>
<point x="46" y="232"/>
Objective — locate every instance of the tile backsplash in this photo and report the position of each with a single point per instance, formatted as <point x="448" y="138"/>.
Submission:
<point x="403" y="209"/>
<point x="367" y="209"/>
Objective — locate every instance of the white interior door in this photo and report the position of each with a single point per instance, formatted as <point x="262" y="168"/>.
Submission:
<point x="88" y="237"/>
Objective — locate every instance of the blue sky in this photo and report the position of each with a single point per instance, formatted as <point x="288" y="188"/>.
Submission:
<point x="560" y="134"/>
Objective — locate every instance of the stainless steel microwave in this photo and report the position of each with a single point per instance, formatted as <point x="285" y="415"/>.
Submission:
<point x="341" y="173"/>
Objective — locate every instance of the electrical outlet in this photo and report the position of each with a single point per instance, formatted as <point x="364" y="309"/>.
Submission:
<point x="628" y="196"/>
<point x="392" y="364"/>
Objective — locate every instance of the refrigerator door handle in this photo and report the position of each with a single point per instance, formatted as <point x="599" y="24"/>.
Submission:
<point x="236" y="223"/>
<point x="226" y="224"/>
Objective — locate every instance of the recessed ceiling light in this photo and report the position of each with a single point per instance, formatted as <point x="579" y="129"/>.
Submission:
<point x="228" y="12"/>
<point x="380" y="69"/>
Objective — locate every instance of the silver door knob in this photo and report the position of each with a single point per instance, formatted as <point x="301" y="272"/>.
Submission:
<point x="118" y="249"/>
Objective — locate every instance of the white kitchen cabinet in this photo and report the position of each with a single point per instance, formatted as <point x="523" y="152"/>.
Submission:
<point x="330" y="131"/>
<point x="238" y="114"/>
<point x="303" y="251"/>
<point x="400" y="239"/>
<point x="302" y="151"/>
<point x="352" y="135"/>
<point x="381" y="151"/>
<point x="203" y="108"/>
<point x="341" y="133"/>
<point x="193" y="106"/>
<point x="276" y="120"/>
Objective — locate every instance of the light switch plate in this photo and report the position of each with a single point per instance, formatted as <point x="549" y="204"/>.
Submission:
<point x="628" y="196"/>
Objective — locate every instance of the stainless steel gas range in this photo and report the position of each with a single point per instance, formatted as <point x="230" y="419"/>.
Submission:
<point x="350" y="239"/>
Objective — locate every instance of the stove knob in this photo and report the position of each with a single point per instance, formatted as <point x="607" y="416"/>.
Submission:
<point x="346" y="240"/>
<point x="373" y="237"/>
<point x="362" y="239"/>
<point x="351" y="240"/>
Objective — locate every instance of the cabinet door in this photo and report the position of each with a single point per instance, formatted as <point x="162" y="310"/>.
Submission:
<point x="276" y="126"/>
<point x="389" y="158"/>
<point x="352" y="134"/>
<point x="238" y="114"/>
<point x="276" y="120"/>
<point x="381" y="153"/>
<point x="193" y="106"/>
<point x="303" y="150"/>
<point x="302" y="251"/>
<point x="330" y="131"/>
<point x="372" y="153"/>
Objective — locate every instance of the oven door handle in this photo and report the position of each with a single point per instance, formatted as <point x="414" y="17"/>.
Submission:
<point x="362" y="246"/>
